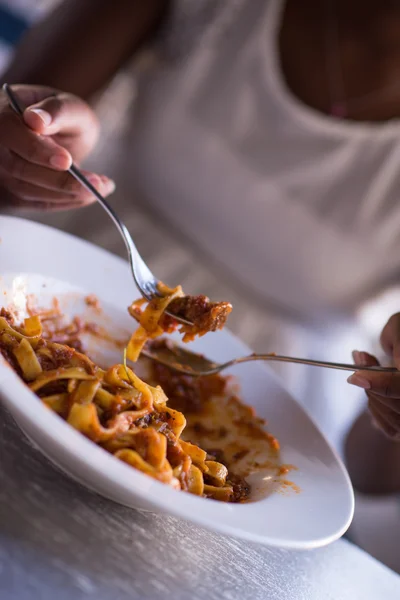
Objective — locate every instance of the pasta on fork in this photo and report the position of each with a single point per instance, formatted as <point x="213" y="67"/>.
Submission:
<point x="204" y="315"/>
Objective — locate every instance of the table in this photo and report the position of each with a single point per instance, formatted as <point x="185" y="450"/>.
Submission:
<point x="59" y="541"/>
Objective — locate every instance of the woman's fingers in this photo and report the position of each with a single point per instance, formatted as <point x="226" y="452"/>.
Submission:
<point x="392" y="404"/>
<point x="14" y="167"/>
<point x="390" y="339"/>
<point x="381" y="423"/>
<point x="40" y="206"/>
<point x="37" y="150"/>
<point x="364" y="359"/>
<point x="386" y="419"/>
<point x="64" y="116"/>
<point x="391" y="417"/>
<point x="19" y="139"/>
<point x="60" y="113"/>
<point x="384" y="384"/>
<point x="31" y="94"/>
<point x="383" y="392"/>
<point x="55" y="125"/>
<point x="28" y="193"/>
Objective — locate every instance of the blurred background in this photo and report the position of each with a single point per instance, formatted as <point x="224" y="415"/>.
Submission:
<point x="178" y="255"/>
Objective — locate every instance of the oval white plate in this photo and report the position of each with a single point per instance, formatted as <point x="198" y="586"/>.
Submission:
<point x="46" y="262"/>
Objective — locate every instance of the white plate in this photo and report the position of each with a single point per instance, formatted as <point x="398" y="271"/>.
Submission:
<point x="44" y="261"/>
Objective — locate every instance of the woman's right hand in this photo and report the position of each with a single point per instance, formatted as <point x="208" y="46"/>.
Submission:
<point x="35" y="155"/>
<point x="382" y="389"/>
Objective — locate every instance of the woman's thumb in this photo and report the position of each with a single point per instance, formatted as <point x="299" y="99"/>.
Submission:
<point x="40" y="116"/>
<point x="64" y="114"/>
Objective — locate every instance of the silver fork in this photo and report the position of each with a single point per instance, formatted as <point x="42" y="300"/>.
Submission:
<point x="144" y="278"/>
<point x="189" y="363"/>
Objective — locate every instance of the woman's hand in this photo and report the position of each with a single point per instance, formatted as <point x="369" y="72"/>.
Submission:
<point x="35" y="155"/>
<point x="383" y="389"/>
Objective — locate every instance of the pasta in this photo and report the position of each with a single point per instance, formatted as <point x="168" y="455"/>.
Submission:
<point x="115" y="408"/>
<point x="204" y="315"/>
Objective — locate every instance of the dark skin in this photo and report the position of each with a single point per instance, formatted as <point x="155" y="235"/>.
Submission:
<point x="372" y="459"/>
<point x="368" y="49"/>
<point x="83" y="43"/>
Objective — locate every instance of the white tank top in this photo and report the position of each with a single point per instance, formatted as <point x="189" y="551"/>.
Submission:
<point x="302" y="207"/>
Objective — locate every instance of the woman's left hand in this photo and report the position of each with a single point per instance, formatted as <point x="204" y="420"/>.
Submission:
<point x="383" y="389"/>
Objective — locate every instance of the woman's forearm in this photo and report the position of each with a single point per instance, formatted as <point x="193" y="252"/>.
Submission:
<point x="373" y="460"/>
<point x="82" y="43"/>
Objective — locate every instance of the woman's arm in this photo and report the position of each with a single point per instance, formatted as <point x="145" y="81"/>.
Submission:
<point x="372" y="460"/>
<point x="82" y="43"/>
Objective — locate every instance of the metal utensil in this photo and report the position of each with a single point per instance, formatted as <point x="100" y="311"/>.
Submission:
<point x="184" y="361"/>
<point x="144" y="278"/>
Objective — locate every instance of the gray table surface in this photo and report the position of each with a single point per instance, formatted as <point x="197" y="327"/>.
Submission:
<point x="59" y="541"/>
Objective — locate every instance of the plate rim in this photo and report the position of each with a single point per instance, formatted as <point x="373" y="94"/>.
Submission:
<point x="12" y="387"/>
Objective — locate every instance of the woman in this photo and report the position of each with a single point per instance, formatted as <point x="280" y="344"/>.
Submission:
<point x="268" y="133"/>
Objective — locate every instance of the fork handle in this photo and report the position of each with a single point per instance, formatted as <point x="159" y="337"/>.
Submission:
<point x="313" y="363"/>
